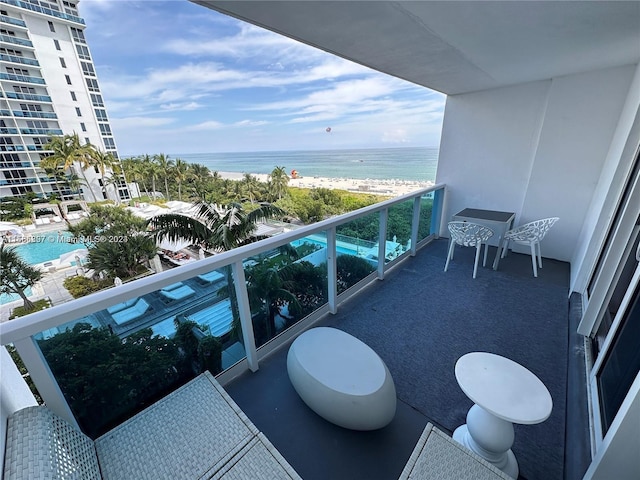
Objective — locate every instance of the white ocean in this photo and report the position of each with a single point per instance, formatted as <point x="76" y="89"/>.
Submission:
<point x="418" y="164"/>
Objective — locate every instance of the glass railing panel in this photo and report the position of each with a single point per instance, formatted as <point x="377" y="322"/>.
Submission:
<point x="357" y="250"/>
<point x="399" y="229"/>
<point x="114" y="362"/>
<point x="286" y="284"/>
<point x="426" y="216"/>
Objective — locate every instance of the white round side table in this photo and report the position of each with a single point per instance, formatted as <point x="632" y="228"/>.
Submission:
<point x="504" y="393"/>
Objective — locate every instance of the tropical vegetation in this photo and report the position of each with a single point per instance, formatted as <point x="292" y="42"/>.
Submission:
<point x="16" y="275"/>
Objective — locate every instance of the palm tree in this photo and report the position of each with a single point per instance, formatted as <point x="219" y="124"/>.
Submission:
<point x="251" y="186"/>
<point x="67" y="151"/>
<point x="103" y="160"/>
<point x="151" y="171"/>
<point x="16" y="274"/>
<point x="217" y="228"/>
<point x="180" y="174"/>
<point x="135" y="171"/>
<point x="165" y="165"/>
<point x="199" y="176"/>
<point x="278" y="180"/>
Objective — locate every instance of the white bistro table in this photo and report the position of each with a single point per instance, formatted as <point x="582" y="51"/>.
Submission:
<point x="497" y="221"/>
<point x="504" y="393"/>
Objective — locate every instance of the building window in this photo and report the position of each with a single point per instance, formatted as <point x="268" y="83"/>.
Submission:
<point x="92" y="84"/>
<point x="68" y="79"/>
<point x="101" y="115"/>
<point x="96" y="100"/>
<point x="83" y="127"/>
<point x="87" y="69"/>
<point x="57" y="44"/>
<point x="63" y="63"/>
<point x="109" y="143"/>
<point x="51" y="27"/>
<point x="105" y="128"/>
<point x="73" y="96"/>
<point x="87" y="141"/>
<point x="78" y="112"/>
<point x="83" y="52"/>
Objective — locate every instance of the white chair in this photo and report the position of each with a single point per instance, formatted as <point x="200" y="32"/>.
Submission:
<point x="530" y="234"/>
<point x="468" y="234"/>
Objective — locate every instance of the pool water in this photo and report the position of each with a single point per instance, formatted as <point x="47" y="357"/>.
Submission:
<point x="46" y="247"/>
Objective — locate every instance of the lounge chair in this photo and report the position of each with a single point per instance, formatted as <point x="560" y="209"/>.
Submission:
<point x="121" y="306"/>
<point x="217" y="317"/>
<point x="131" y="313"/>
<point x="211" y="277"/>
<point x="179" y="293"/>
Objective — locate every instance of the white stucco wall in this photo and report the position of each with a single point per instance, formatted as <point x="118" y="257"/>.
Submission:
<point x="536" y="149"/>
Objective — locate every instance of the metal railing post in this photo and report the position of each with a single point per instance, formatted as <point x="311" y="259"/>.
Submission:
<point x="42" y="376"/>
<point x="415" y="225"/>
<point x="382" y="242"/>
<point x="332" y="270"/>
<point x="248" y="337"/>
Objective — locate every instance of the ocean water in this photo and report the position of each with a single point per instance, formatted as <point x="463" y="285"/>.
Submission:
<point x="417" y="164"/>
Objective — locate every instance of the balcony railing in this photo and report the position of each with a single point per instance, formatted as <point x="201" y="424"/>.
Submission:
<point x="13" y="21"/>
<point x="230" y="296"/>
<point x="44" y="10"/>
<point x="32" y="114"/>
<point x="29" y="96"/>
<point x="16" y="41"/>
<point x="17" y="59"/>
<point x="22" y="78"/>
<point x="41" y="131"/>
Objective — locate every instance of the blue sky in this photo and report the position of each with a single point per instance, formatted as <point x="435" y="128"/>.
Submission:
<point x="181" y="78"/>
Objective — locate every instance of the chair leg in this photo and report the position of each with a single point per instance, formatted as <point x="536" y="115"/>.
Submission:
<point x="475" y="264"/>
<point x="539" y="255"/>
<point x="505" y="246"/>
<point x="486" y="249"/>
<point x="534" y="259"/>
<point x="449" y="254"/>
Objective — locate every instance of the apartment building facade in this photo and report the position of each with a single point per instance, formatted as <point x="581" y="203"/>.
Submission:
<point x="49" y="86"/>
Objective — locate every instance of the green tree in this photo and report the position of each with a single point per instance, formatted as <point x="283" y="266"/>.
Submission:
<point x="16" y="275"/>
<point x="107" y="221"/>
<point x="105" y="378"/>
<point x="103" y="161"/>
<point x="278" y="181"/>
<point x="121" y="256"/>
<point x="67" y="151"/>
<point x="165" y="165"/>
<point x="180" y="174"/>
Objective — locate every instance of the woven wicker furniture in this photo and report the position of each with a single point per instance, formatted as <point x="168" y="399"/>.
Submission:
<point x="438" y="457"/>
<point x="197" y="431"/>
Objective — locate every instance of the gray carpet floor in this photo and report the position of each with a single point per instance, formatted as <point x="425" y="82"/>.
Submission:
<point x="420" y="320"/>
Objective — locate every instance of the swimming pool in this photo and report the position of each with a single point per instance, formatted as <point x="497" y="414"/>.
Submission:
<point x="46" y="247"/>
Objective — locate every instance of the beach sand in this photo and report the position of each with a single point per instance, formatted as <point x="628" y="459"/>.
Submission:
<point x="392" y="188"/>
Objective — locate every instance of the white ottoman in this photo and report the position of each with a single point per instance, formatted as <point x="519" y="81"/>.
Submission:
<point x="342" y="379"/>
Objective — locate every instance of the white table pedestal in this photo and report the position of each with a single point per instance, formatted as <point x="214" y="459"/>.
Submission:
<point x="490" y="437"/>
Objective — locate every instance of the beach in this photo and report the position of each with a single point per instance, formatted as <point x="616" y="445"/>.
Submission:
<point x="392" y="187"/>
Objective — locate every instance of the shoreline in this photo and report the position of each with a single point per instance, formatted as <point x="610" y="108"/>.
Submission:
<point x="390" y="187"/>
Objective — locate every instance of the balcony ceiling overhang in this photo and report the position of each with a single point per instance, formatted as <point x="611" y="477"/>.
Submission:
<point x="457" y="47"/>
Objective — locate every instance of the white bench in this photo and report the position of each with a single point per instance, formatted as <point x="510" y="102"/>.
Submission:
<point x="342" y="379"/>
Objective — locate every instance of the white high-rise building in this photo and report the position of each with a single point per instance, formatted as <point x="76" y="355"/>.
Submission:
<point x="49" y="86"/>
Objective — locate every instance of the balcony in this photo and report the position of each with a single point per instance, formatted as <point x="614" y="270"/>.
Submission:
<point x="29" y="96"/>
<point x="41" y="131"/>
<point x="21" y="60"/>
<point x="34" y="114"/>
<point x="22" y="78"/>
<point x="13" y="21"/>
<point x="16" y="41"/>
<point x="418" y="318"/>
<point x="45" y="11"/>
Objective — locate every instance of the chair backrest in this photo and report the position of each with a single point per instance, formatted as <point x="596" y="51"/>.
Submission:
<point x="532" y="231"/>
<point x="469" y="234"/>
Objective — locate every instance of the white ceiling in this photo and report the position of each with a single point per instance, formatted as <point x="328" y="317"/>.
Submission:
<point x="458" y="46"/>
